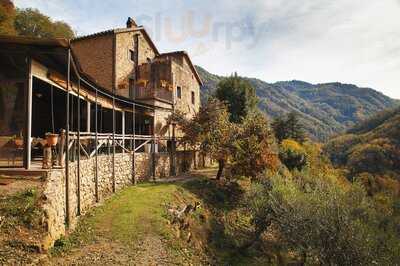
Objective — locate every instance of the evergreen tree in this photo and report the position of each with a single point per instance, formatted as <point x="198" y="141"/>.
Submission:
<point x="239" y="95"/>
<point x="289" y="127"/>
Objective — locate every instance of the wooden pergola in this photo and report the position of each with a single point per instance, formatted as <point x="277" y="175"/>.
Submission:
<point x="51" y="61"/>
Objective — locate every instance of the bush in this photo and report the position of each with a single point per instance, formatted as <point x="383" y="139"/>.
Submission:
<point x="323" y="223"/>
<point x="292" y="154"/>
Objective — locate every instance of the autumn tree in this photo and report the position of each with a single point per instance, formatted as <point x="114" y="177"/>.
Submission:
<point x="254" y="149"/>
<point x="289" y="127"/>
<point x="31" y="22"/>
<point x="239" y="95"/>
<point x="211" y="129"/>
<point x="292" y="154"/>
<point x="7" y="16"/>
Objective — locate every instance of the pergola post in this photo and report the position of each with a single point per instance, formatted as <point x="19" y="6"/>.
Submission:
<point x="67" y="216"/>
<point x="28" y="130"/>
<point x="173" y="151"/>
<point x="153" y="149"/>
<point x="88" y="116"/>
<point x="96" y="174"/>
<point x="79" y="149"/>
<point x="134" y="144"/>
<point x="113" y="144"/>
<point x="123" y="130"/>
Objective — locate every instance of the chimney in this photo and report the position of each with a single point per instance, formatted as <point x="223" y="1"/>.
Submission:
<point x="131" y="23"/>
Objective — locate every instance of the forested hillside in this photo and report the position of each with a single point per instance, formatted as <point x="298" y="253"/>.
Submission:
<point x="371" y="151"/>
<point x="325" y="109"/>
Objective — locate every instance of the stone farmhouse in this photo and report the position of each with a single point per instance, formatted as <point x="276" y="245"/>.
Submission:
<point x="90" y="116"/>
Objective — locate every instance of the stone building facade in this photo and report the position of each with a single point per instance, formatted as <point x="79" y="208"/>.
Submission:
<point x="127" y="62"/>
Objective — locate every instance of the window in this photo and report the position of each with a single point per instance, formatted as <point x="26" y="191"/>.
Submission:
<point x="132" y="55"/>
<point x="179" y="92"/>
<point x="193" y="97"/>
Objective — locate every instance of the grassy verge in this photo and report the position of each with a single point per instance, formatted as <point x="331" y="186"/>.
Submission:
<point x="212" y="234"/>
<point x="130" y="216"/>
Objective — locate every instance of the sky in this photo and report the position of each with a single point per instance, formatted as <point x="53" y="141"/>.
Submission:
<point x="318" y="41"/>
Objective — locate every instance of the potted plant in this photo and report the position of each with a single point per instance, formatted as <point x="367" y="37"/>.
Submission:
<point x="51" y="139"/>
<point x="19" y="141"/>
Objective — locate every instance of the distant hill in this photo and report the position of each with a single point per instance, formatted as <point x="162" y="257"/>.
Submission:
<point x="325" y="109"/>
<point x="371" y="150"/>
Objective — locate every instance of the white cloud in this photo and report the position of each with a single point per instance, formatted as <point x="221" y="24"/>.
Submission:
<point x="354" y="41"/>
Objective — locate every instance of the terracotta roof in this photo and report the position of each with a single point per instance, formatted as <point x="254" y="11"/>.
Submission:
<point x="120" y="30"/>
<point x="34" y="41"/>
<point x="185" y="54"/>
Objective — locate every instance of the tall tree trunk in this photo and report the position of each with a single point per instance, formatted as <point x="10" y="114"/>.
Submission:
<point x="221" y="165"/>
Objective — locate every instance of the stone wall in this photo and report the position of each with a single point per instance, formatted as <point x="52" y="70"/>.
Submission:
<point x="184" y="78"/>
<point x="54" y="192"/>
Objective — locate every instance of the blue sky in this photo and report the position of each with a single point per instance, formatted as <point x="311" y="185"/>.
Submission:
<point x="350" y="41"/>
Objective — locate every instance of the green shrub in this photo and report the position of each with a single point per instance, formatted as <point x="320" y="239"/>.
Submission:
<point x="324" y="223"/>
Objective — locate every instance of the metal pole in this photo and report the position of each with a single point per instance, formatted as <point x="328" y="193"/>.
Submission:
<point x="173" y="148"/>
<point x="113" y="146"/>
<point x="79" y="148"/>
<point x="67" y="216"/>
<point x="28" y="131"/>
<point x="123" y="130"/>
<point x="96" y="176"/>
<point x="134" y="144"/>
<point x="88" y="116"/>
<point x="153" y="150"/>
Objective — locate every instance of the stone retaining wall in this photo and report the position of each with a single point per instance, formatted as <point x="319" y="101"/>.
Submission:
<point x="55" y="184"/>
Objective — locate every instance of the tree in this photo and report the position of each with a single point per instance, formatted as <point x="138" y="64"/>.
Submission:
<point x="211" y="130"/>
<point x="239" y="96"/>
<point x="289" y="127"/>
<point x="30" y="22"/>
<point x="254" y="149"/>
<point x="7" y="16"/>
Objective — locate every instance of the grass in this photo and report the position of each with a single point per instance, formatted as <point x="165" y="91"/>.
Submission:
<point x="136" y="212"/>
<point x="126" y="217"/>
<point x="21" y="209"/>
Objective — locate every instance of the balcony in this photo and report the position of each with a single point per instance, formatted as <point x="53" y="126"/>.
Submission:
<point x="146" y="93"/>
<point x="154" y="82"/>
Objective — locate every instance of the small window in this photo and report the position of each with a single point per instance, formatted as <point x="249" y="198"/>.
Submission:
<point x="132" y="55"/>
<point x="179" y="92"/>
<point x="193" y="97"/>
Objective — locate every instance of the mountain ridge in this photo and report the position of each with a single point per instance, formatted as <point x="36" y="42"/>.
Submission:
<point x="326" y="109"/>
